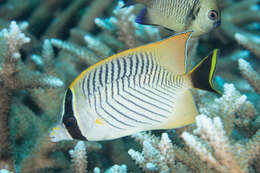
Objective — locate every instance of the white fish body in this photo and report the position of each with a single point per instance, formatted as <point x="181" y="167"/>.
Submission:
<point x="139" y="89"/>
<point x="140" y="97"/>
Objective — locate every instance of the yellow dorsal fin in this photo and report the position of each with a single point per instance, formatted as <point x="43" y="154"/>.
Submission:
<point x="172" y="52"/>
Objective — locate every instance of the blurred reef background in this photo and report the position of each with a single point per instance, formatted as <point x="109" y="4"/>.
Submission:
<point x="45" y="44"/>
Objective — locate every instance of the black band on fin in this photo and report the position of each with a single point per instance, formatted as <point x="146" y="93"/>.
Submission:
<point x="202" y="74"/>
<point x="69" y="120"/>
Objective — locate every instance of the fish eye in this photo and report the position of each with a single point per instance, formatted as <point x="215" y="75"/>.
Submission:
<point x="213" y="15"/>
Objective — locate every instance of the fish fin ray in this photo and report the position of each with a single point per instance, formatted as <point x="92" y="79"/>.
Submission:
<point x="201" y="75"/>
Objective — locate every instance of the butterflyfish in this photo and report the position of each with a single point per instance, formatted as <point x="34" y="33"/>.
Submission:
<point x="201" y="16"/>
<point x="144" y="88"/>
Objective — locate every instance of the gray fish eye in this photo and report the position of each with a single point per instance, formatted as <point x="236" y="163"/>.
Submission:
<point x="213" y="15"/>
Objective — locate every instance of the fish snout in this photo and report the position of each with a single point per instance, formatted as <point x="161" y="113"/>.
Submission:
<point x="217" y="24"/>
<point x="59" y="133"/>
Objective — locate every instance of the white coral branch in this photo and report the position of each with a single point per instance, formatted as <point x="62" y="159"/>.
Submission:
<point x="200" y="149"/>
<point x="117" y="169"/>
<point x="212" y="131"/>
<point x="249" y="74"/>
<point x="79" y="157"/>
<point x="249" y="41"/>
<point x="166" y="149"/>
<point x="15" y="39"/>
<point x="83" y="54"/>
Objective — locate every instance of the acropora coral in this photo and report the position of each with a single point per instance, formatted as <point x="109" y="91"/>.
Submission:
<point x="45" y="44"/>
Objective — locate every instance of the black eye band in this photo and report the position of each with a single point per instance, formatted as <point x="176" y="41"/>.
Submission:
<point x="69" y="120"/>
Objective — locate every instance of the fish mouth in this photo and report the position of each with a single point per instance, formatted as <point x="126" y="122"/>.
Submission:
<point x="217" y="24"/>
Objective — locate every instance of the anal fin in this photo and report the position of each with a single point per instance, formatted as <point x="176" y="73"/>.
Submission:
<point x="184" y="111"/>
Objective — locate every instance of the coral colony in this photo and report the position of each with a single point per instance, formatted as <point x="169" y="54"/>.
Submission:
<point x="44" y="45"/>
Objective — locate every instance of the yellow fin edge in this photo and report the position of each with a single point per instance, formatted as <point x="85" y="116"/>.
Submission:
<point x="144" y="47"/>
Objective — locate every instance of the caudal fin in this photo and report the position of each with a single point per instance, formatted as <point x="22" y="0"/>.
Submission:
<point x="202" y="74"/>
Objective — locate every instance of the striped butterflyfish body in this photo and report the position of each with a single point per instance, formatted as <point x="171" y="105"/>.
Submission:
<point x="140" y="89"/>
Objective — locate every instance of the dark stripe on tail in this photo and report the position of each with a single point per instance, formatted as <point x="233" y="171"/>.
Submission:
<point x="69" y="120"/>
<point x="202" y="74"/>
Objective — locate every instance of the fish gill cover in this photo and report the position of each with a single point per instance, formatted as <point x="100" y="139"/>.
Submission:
<point x="45" y="44"/>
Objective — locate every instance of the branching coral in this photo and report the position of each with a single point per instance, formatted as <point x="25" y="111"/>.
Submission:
<point x="160" y="155"/>
<point x="117" y="169"/>
<point x="218" y="144"/>
<point x="14" y="75"/>
<point x="37" y="71"/>
<point x="4" y="171"/>
<point x="113" y="169"/>
<point x="79" y="161"/>
<point x="249" y="74"/>
<point x="84" y="34"/>
<point x="82" y="53"/>
<point x="248" y="12"/>
<point x="226" y="157"/>
<point x="118" y="32"/>
<point x="226" y="106"/>
<point x="79" y="158"/>
<point x="249" y="41"/>
<point x="154" y="156"/>
<point x="39" y="158"/>
<point x="123" y="27"/>
<point x="232" y="107"/>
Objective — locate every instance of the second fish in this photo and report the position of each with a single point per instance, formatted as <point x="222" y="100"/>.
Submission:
<point x="201" y="16"/>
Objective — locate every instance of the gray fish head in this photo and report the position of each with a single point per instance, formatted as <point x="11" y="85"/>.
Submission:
<point x="208" y="17"/>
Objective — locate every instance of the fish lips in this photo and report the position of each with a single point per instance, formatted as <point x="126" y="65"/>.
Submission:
<point x="217" y="24"/>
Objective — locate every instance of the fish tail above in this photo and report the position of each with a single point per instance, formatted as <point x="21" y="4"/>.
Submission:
<point x="201" y="75"/>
